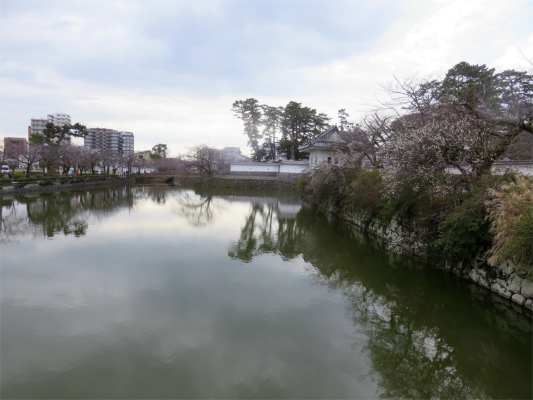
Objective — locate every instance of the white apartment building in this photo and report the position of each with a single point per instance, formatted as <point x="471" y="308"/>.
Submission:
<point x="59" y="119"/>
<point x="126" y="142"/>
<point x="37" y="125"/>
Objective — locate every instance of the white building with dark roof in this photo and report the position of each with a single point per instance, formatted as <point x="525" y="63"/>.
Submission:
<point x="324" y="149"/>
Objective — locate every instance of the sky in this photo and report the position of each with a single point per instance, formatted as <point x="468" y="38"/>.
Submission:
<point x="170" y="70"/>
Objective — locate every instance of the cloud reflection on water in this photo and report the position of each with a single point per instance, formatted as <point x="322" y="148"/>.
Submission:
<point x="252" y="302"/>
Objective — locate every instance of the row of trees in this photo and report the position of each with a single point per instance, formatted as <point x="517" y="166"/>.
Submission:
<point x="52" y="150"/>
<point x="425" y="127"/>
<point x="294" y="124"/>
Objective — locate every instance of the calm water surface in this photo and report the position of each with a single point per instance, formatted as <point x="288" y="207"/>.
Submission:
<point x="156" y="292"/>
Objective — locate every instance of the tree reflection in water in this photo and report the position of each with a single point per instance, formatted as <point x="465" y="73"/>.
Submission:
<point x="424" y="333"/>
<point x="414" y="324"/>
<point x="66" y="212"/>
<point x="266" y="231"/>
<point x="198" y="209"/>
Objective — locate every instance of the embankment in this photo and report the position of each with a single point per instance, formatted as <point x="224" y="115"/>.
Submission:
<point x="225" y="182"/>
<point x="56" y="185"/>
<point x="503" y="280"/>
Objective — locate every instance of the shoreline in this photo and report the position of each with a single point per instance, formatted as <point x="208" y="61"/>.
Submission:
<point x="56" y="187"/>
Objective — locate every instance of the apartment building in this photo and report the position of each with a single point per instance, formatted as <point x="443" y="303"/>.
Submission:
<point x="127" y="143"/>
<point x="37" y="125"/>
<point x="59" y="119"/>
<point x="109" y="140"/>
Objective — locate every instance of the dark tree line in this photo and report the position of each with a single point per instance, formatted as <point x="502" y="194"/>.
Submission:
<point x="278" y="130"/>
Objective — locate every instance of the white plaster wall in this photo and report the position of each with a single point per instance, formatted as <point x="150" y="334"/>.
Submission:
<point x="317" y="157"/>
<point x="525" y="169"/>
<point x="282" y="168"/>
<point x="293" y="169"/>
<point x="254" y="167"/>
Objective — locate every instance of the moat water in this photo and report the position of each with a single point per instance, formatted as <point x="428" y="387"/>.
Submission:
<point x="159" y="292"/>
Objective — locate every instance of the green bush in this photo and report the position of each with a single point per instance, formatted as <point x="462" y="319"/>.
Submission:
<point x="19" y="176"/>
<point x="365" y="191"/>
<point x="466" y="231"/>
<point x="325" y="186"/>
<point x="300" y="185"/>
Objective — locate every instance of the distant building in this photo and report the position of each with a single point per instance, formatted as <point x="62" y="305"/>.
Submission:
<point x="37" y="125"/>
<point x="14" y="146"/>
<point x="143" y="155"/>
<point x="126" y="143"/>
<point x="110" y="140"/>
<point x="225" y="155"/>
<point x="59" y="119"/>
<point x="232" y="154"/>
<point x="103" y="139"/>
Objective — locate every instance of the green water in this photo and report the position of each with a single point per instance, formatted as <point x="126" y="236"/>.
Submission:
<point x="156" y="292"/>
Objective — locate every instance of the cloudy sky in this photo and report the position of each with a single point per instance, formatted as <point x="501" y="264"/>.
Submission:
<point x="169" y="70"/>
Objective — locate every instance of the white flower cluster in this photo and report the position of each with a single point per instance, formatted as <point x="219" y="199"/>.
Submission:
<point x="420" y="153"/>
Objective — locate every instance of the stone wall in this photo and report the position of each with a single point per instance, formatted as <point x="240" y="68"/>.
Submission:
<point x="503" y="280"/>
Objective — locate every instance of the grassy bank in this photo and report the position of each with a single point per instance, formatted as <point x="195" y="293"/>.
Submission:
<point x="217" y="182"/>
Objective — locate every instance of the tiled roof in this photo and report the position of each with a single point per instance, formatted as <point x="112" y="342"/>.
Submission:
<point x="331" y="137"/>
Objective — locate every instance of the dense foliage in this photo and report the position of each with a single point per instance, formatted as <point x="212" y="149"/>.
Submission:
<point x="432" y="149"/>
<point x="496" y="212"/>
<point x="295" y="124"/>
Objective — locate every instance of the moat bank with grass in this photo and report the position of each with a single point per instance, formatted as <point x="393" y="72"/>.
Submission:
<point x="25" y="185"/>
<point x="51" y="184"/>
<point x="481" y="232"/>
<point x="220" y="182"/>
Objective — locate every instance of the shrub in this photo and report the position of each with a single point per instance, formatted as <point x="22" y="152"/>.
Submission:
<point x="325" y="186"/>
<point x="466" y="231"/>
<point x="365" y="192"/>
<point x="300" y="185"/>
<point x="511" y="214"/>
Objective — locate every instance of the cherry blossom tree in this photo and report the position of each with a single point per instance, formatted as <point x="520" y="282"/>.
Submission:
<point x="467" y="121"/>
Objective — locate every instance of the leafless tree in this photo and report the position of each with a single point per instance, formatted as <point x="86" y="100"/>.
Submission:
<point x="89" y="159"/>
<point x="128" y="161"/>
<point x="204" y="160"/>
<point x="32" y="157"/>
<point x="69" y="156"/>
